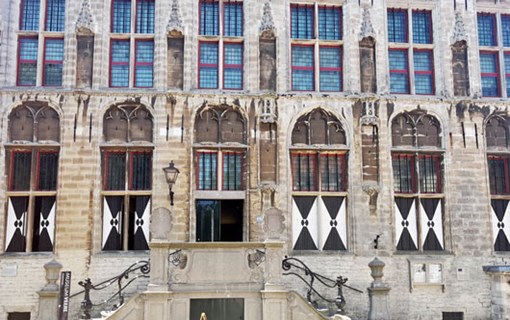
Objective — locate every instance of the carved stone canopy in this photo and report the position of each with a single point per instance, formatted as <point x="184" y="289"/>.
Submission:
<point x="174" y="26"/>
<point x="367" y="29"/>
<point x="267" y="28"/>
<point x="85" y="21"/>
<point x="459" y="30"/>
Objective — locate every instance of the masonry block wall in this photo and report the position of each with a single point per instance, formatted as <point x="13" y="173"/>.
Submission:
<point x="270" y="106"/>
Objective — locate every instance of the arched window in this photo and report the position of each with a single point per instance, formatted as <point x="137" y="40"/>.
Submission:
<point x="32" y="170"/>
<point x="498" y="155"/>
<point x="126" y="177"/>
<point x="417" y="159"/>
<point x="318" y="157"/>
<point x="220" y="173"/>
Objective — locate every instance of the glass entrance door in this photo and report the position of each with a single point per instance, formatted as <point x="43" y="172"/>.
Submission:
<point x="217" y="309"/>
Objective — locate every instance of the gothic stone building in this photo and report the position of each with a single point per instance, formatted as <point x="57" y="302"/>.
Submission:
<point x="332" y="131"/>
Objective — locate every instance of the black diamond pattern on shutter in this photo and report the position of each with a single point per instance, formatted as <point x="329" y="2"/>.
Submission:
<point x="139" y="215"/>
<point x="501" y="225"/>
<point x="44" y="224"/>
<point x="333" y="223"/>
<point x="431" y="224"/>
<point x="305" y="223"/>
<point x="16" y="224"/>
<point x="405" y="223"/>
<point x="113" y="208"/>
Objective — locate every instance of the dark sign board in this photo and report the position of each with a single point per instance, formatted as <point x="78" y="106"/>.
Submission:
<point x="65" y="289"/>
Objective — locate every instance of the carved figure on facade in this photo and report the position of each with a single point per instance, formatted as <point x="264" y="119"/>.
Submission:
<point x="174" y="26"/>
<point x="459" y="30"/>
<point x="85" y="21"/>
<point x="267" y="28"/>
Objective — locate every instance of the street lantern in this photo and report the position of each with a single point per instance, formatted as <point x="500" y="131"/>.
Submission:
<point x="171" y="173"/>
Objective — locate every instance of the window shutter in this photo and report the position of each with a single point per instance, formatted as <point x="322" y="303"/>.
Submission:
<point x="112" y="222"/>
<point x="431" y="224"/>
<point x="304" y="230"/>
<point x="405" y="223"/>
<point x="332" y="224"/>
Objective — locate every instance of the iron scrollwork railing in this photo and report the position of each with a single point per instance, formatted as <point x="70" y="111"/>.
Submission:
<point x="139" y="269"/>
<point x="309" y="278"/>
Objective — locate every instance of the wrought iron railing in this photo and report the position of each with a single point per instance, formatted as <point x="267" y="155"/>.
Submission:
<point x="311" y="279"/>
<point x="139" y="269"/>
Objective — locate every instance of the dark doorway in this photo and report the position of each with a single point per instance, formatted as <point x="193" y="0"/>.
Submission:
<point x="18" y="316"/>
<point x="219" y="220"/>
<point x="217" y="309"/>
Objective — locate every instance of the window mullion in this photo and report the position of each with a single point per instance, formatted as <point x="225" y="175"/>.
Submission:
<point x="125" y="224"/>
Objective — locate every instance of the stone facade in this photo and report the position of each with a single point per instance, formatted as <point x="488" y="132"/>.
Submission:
<point x="270" y="110"/>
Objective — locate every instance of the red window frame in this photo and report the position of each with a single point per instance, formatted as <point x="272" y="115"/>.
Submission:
<point x="137" y="13"/>
<point x="11" y="168"/>
<point x="312" y="68"/>
<point x="339" y="10"/>
<point x="406" y="26"/>
<point x="143" y="64"/>
<point x="411" y="157"/>
<point x="338" y="157"/>
<point x="430" y="72"/>
<point x="200" y="15"/>
<point x="306" y="6"/>
<point x="45" y="62"/>
<point x="117" y="63"/>
<point x="233" y="66"/>
<point x="507" y="73"/>
<point x="493" y="74"/>
<point x="494" y="25"/>
<point x="224" y="154"/>
<point x="236" y="3"/>
<point x="437" y="162"/>
<point x="130" y="173"/>
<point x="402" y="71"/>
<point x="507" y="174"/>
<point x="38" y="170"/>
<point x="197" y="170"/>
<point x="24" y="62"/>
<point x="339" y="69"/>
<point x="430" y="28"/>
<point x="314" y="157"/>
<point x="200" y="65"/>
<point x="105" y="172"/>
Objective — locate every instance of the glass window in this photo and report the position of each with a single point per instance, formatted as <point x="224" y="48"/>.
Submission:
<point x="302" y="21"/>
<point x="55" y="15"/>
<point x="53" y="62"/>
<point x="399" y="71"/>
<point x="329" y="23"/>
<point x="505" y="26"/>
<point x="145" y="16"/>
<point x="208" y="65"/>
<point x="330" y="68"/>
<point x="403" y="173"/>
<point x="207" y="170"/>
<point x="498" y="175"/>
<point x="119" y="65"/>
<point x="486" y="29"/>
<point x="302" y="68"/>
<point x="507" y="73"/>
<point x="332" y="168"/>
<point x="233" y="15"/>
<point x="233" y="66"/>
<point x="27" y="61"/>
<point x="232" y="170"/>
<point x="489" y="73"/>
<point x="422" y="27"/>
<point x="397" y="25"/>
<point x="29" y="19"/>
<point x="144" y="63"/>
<point x="121" y="17"/>
<point x="209" y="18"/>
<point x="304" y="171"/>
<point x="423" y="72"/>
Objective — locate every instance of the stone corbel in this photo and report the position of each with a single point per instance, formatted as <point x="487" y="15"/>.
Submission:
<point x="369" y="113"/>
<point x="372" y="190"/>
<point x="268" y="113"/>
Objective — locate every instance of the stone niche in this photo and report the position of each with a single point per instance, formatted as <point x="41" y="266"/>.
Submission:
<point x="267" y="61"/>
<point x="175" y="62"/>
<point x="460" y="69"/>
<point x="368" y="77"/>
<point x="268" y="152"/>
<point x="84" y="61"/>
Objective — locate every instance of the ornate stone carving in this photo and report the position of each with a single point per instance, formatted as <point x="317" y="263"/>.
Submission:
<point x="174" y="26"/>
<point x="274" y="223"/>
<point x="268" y="114"/>
<point x="85" y="21"/>
<point x="370" y="189"/>
<point x="367" y="29"/>
<point x="267" y="28"/>
<point x="459" y="30"/>
<point x="161" y="224"/>
<point x="369" y="113"/>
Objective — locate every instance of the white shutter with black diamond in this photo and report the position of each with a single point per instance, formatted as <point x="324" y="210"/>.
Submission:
<point x="113" y="207"/>
<point x="304" y="226"/>
<point x="139" y="239"/>
<point x="405" y="224"/>
<point x="501" y="225"/>
<point x="16" y="230"/>
<point x="431" y="224"/>
<point x="44" y="224"/>
<point x="332" y="223"/>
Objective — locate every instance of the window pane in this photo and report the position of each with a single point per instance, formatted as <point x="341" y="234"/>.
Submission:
<point x="507" y="73"/>
<point x="233" y="19"/>
<point x="119" y="75"/>
<point x="489" y="70"/>
<point x="140" y="171"/>
<point x="115" y="171"/>
<point x="21" y="164"/>
<point x="329" y="24"/>
<point x="399" y="80"/>
<point x="55" y="15"/>
<point x="145" y="16"/>
<point x="208" y="220"/>
<point x="423" y="72"/>
<point x="27" y="68"/>
<point x="498" y="175"/>
<point x="208" y="65"/>
<point x="302" y="68"/>
<point x="30" y="15"/>
<point x="429" y="174"/>
<point x="505" y="26"/>
<point x="486" y="30"/>
<point x="144" y="64"/>
<point x="332" y="172"/>
<point x="47" y="171"/>
<point x="304" y="172"/>
<point x="121" y="20"/>
<point x="233" y="66"/>
<point x="53" y="58"/>
<point x="403" y="173"/>
<point x="397" y="25"/>
<point x="232" y="170"/>
<point x="302" y="22"/>
<point x="422" y="27"/>
<point x="209" y="24"/>
<point x="207" y="164"/>
<point x="330" y="69"/>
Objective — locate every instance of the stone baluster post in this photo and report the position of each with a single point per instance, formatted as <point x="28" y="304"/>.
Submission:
<point x="378" y="292"/>
<point x="48" y="296"/>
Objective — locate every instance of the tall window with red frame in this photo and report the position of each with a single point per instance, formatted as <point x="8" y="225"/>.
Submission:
<point x="415" y="51"/>
<point x="53" y="61"/>
<point x="323" y="37"/>
<point x="55" y="15"/>
<point x="489" y="60"/>
<point x="119" y="63"/>
<point x="507" y="72"/>
<point x="144" y="63"/>
<point x="27" y="61"/>
<point x="214" y="72"/>
<point x="417" y="163"/>
<point x="29" y="15"/>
